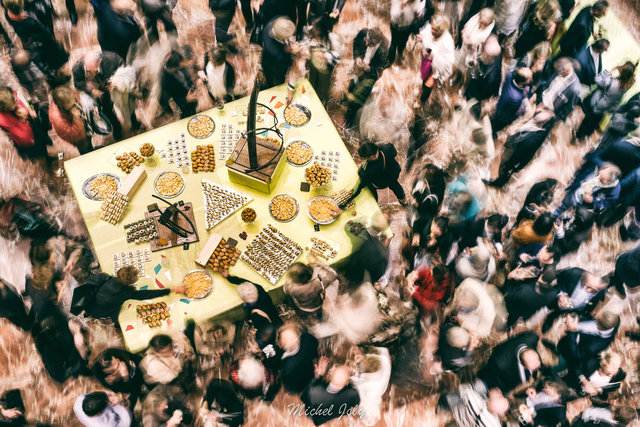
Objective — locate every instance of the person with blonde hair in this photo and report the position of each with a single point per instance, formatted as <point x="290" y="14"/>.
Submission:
<point x="475" y="34"/>
<point x="598" y="376"/>
<point x="438" y="53"/>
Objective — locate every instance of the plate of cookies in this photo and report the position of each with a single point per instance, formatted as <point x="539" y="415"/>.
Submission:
<point x="317" y="175"/>
<point x="283" y="208"/>
<point x="201" y="126"/>
<point x="169" y="184"/>
<point x="98" y="186"/>
<point x="323" y="210"/>
<point x="297" y="115"/>
<point x="197" y="284"/>
<point x="299" y="153"/>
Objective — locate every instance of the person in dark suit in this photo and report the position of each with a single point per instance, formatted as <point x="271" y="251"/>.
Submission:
<point x="579" y="291"/>
<point x="515" y="89"/>
<point x="587" y="338"/>
<point x="522" y="146"/>
<point x="548" y="403"/>
<point x="486" y="76"/>
<point x="561" y="92"/>
<point x="623" y="121"/>
<point x="573" y="231"/>
<point x="607" y="416"/>
<point x="530" y="295"/>
<point x="119" y="371"/>
<point x="300" y="354"/>
<point x="223" y="402"/>
<point x="597" y="376"/>
<point x="488" y="228"/>
<point x="276" y="52"/>
<point x="455" y="345"/>
<point x="294" y="10"/>
<point x="428" y="194"/>
<point x="380" y="170"/>
<point x="12" y="307"/>
<point x="324" y="400"/>
<point x="627" y="271"/>
<point x="117" y="27"/>
<point x="625" y="154"/>
<point x="513" y="363"/>
<point x="590" y="60"/>
<point x="330" y="9"/>
<point x="581" y="28"/>
<point x="540" y="195"/>
<point x="372" y="48"/>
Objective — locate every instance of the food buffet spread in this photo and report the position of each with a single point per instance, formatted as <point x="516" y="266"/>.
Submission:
<point x="163" y="202"/>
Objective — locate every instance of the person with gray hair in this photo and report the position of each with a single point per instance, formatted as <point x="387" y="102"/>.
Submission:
<point x="561" y="93"/>
<point x="253" y="379"/>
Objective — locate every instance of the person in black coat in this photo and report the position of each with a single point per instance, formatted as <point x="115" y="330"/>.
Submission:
<point x="485" y="78"/>
<point x="574" y="230"/>
<point x="111" y="292"/>
<point x="154" y="11"/>
<point x="329" y="9"/>
<point x="576" y="37"/>
<point x="597" y="376"/>
<point x="324" y="400"/>
<point x="119" y="371"/>
<point x="540" y="196"/>
<point x="515" y="89"/>
<point x="37" y="39"/>
<point x="623" y="121"/>
<point x="625" y="154"/>
<point x="276" y="50"/>
<point x="12" y="307"/>
<point x="455" y="345"/>
<point x="586" y="57"/>
<point x="627" y="271"/>
<point x="548" y="401"/>
<point x="527" y="297"/>
<point x="380" y="170"/>
<point x="403" y="24"/>
<point x="512" y="363"/>
<point x="428" y="194"/>
<point x="522" y="146"/>
<point x="294" y="10"/>
<point x="537" y="24"/>
<point x="221" y="91"/>
<point x="606" y="416"/>
<point x="579" y="291"/>
<point x="178" y="84"/>
<point x="488" y="228"/>
<point x="372" y="48"/>
<point x="117" y="28"/>
<point x="300" y="354"/>
<point x="223" y="403"/>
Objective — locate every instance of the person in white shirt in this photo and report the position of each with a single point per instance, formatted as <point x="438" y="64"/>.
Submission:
<point x="100" y="409"/>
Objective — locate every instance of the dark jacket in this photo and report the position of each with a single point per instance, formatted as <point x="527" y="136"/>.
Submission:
<point x="264" y="302"/>
<point x="317" y="400"/>
<point x="381" y="172"/>
<point x="587" y="367"/>
<point x="523" y="300"/>
<point x="275" y="59"/>
<point x="380" y="59"/>
<point x="132" y="384"/>
<point x="228" y="403"/>
<point x="568" y="279"/>
<point x="621" y="153"/>
<point x="628" y="268"/>
<point x="587" y="73"/>
<point x="510" y="101"/>
<point x="229" y="79"/>
<point x="578" y="33"/>
<point x="116" y="32"/>
<point x="109" y="63"/>
<point x="502" y="368"/>
<point x="296" y="371"/>
<point x="551" y="416"/>
<point x="485" y="80"/>
<point x="453" y="358"/>
<point x="12" y="307"/>
<point x="111" y="294"/>
<point x="577" y="346"/>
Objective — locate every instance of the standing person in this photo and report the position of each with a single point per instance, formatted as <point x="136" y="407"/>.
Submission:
<point x="223" y="11"/>
<point x="371" y="48"/>
<point x="68" y="120"/>
<point x="438" y="51"/>
<point x="219" y="75"/>
<point x="562" y="93"/>
<point x="486" y="75"/>
<point x="305" y="285"/>
<point x="590" y="60"/>
<point x="475" y="34"/>
<point x="515" y="90"/>
<point x="407" y="17"/>
<point x="91" y="75"/>
<point x="154" y="11"/>
<point x="27" y="135"/>
<point x="99" y="409"/>
<point x="300" y="354"/>
<point x="253" y="379"/>
<point x="429" y="288"/>
<point x="177" y="84"/>
<point x="509" y="14"/>
<point x="371" y="380"/>
<point x="276" y="50"/>
<point x="36" y="38"/>
<point x="117" y="27"/>
<point x="322" y="58"/>
<point x="119" y="371"/>
<point x="627" y="271"/>
<point x="169" y="361"/>
<point x="222" y="402"/>
<point x="605" y="97"/>
<point x="539" y="25"/>
<point x="12" y="307"/>
<point x="380" y="170"/>
<point x="582" y="28"/>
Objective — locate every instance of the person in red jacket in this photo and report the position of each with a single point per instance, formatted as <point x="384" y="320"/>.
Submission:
<point x="67" y="118"/>
<point x="429" y="287"/>
<point x="15" y="119"/>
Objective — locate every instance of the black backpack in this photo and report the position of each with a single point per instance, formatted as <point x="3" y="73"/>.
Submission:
<point x="83" y="296"/>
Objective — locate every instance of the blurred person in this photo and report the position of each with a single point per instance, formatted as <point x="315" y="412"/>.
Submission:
<point x="178" y="84"/>
<point x="429" y="287"/>
<point x="120" y="372"/>
<point x="530" y="231"/>
<point x="475" y="34"/>
<point x="29" y="138"/>
<point x="99" y="409"/>
<point x="12" y="409"/>
<point x="91" y="75"/>
<point x="508" y="17"/>
<point x="538" y="199"/>
<point x="607" y="416"/>
<point x="489" y="230"/>
<point x="117" y="26"/>
<point x="570" y="233"/>
<point x="222" y="405"/>
<point x="219" y="75"/>
<point x="521" y="146"/>
<point x="277" y="49"/>
<point x="605" y="97"/>
<point x="530" y="295"/>
<point x="223" y="11"/>
<point x="582" y="27"/>
<point x="166" y="406"/>
<point x="538" y="60"/>
<point x="438" y="57"/>
<point x="485" y="76"/>
<point x="67" y="119"/>
<point x="154" y="11"/>
<point x="590" y="60"/>
<point x="461" y="206"/>
<point x="293" y="10"/>
<point x="539" y="25"/>
<point x="456" y="346"/>
<point x="562" y="91"/>
<point x="336" y="393"/>
<point x="515" y="90"/>
<point x="29" y="76"/>
<point x="372" y="49"/>
<point x="253" y="379"/>
<point x="546" y="406"/>
<point x="427" y="193"/>
<point x="360" y="88"/>
<point x="627" y="271"/>
<point x="475" y="405"/>
<point x="323" y="57"/>
<point x="36" y="38"/>
<point x="623" y="121"/>
<point x="513" y="363"/>
<point x="477" y="263"/>
<point x="407" y="17"/>
<point x="371" y="380"/>
<point x="579" y="291"/>
<point x="169" y="361"/>
<point x="12" y="306"/>
<point x="598" y="376"/>
<point x="306" y="284"/>
<point x="477" y="307"/>
<point x="300" y="354"/>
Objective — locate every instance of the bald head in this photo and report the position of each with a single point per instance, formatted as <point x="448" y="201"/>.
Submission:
<point x="491" y="47"/>
<point x="340" y="377"/>
<point x="92" y="61"/>
<point x="530" y="359"/>
<point x="497" y="404"/>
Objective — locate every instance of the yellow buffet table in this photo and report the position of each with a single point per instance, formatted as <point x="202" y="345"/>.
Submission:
<point x="110" y="239"/>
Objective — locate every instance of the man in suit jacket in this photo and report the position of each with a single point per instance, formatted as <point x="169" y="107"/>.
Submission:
<point x="590" y="60"/>
<point x="486" y="76"/>
<point x="579" y="291"/>
<point x="372" y="48"/>
<point x="520" y="147"/>
<point x="276" y="53"/>
<point x="326" y="401"/>
<point x="587" y="338"/>
<point x="581" y="28"/>
<point x="627" y="271"/>
<point x="300" y="353"/>
<point x="515" y="89"/>
<point x="562" y="91"/>
<point x="512" y="363"/>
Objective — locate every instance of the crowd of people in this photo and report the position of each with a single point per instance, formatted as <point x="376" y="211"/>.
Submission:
<point x="480" y="306"/>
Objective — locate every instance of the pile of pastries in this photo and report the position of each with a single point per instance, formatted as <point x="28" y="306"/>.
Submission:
<point x="283" y="207"/>
<point x="203" y="160"/>
<point x="295" y="115"/>
<point x="147" y="150"/>
<point x="317" y="175"/>
<point x="201" y="126"/>
<point x="152" y="315"/>
<point x="169" y="184"/>
<point x="271" y="253"/>
<point x="197" y="284"/>
<point x="128" y="161"/>
<point x="113" y="207"/>
<point x="220" y="202"/>
<point x="102" y="184"/>
<point x="223" y="257"/>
